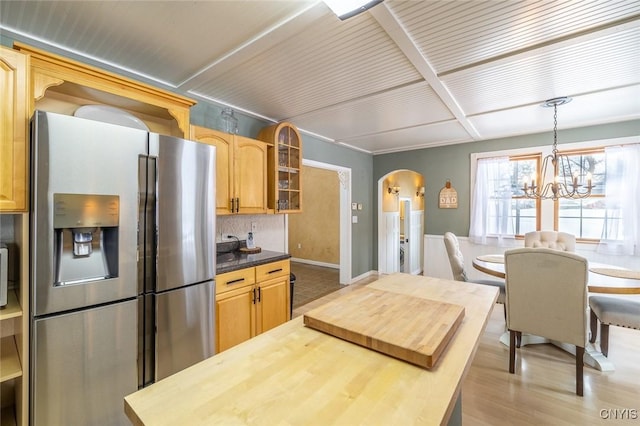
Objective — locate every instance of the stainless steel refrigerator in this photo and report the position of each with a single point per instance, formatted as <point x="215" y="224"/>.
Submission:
<point x="122" y="265"/>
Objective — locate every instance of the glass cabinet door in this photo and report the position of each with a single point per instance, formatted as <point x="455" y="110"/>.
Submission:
<point x="289" y="163"/>
<point x="285" y="167"/>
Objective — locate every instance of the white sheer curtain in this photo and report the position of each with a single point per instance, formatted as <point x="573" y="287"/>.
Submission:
<point x="621" y="230"/>
<point x="491" y="202"/>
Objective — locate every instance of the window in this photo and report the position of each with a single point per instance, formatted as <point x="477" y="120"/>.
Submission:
<point x="610" y="215"/>
<point x="585" y="217"/>
<point x="525" y="212"/>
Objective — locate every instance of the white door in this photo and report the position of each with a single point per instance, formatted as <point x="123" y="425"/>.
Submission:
<point x="390" y="261"/>
<point x="415" y="242"/>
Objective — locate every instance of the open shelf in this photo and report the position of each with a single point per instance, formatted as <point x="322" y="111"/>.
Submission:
<point x="12" y="309"/>
<point x="10" y="367"/>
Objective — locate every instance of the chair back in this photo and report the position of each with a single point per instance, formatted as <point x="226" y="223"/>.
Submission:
<point x="547" y="294"/>
<point x="456" y="260"/>
<point x="550" y="239"/>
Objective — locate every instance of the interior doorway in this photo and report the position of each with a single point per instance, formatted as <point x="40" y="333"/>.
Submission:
<point x="401" y="222"/>
<point x="344" y="200"/>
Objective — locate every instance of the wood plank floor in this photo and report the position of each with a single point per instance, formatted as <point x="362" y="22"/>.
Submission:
<point x="542" y="391"/>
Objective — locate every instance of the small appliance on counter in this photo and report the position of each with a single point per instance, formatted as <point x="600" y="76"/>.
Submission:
<point x="251" y="246"/>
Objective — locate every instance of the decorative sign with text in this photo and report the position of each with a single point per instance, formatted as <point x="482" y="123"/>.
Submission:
<point x="448" y="197"/>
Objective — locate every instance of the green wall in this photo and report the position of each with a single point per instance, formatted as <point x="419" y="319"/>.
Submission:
<point x="453" y="162"/>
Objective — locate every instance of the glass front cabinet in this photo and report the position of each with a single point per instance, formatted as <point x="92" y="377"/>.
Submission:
<point x="284" y="165"/>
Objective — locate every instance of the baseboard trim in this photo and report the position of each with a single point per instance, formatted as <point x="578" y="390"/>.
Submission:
<point x="316" y="263"/>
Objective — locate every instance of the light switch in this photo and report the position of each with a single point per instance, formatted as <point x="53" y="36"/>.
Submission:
<point x="354" y="206"/>
<point x="354" y="219"/>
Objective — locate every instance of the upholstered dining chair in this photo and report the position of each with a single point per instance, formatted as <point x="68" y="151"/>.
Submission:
<point x="612" y="310"/>
<point x="456" y="260"/>
<point x="547" y="296"/>
<point x="550" y="239"/>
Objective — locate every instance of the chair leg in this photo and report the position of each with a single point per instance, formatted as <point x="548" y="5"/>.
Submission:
<point x="579" y="370"/>
<point x="512" y="351"/>
<point x="504" y="309"/>
<point x="518" y="339"/>
<point x="604" y="338"/>
<point x="593" y="324"/>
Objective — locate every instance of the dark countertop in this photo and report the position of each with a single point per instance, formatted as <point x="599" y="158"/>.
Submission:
<point x="233" y="261"/>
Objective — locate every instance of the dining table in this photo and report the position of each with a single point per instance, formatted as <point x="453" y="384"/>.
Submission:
<point x="603" y="278"/>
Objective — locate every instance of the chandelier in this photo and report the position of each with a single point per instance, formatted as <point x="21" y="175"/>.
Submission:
<point x="565" y="186"/>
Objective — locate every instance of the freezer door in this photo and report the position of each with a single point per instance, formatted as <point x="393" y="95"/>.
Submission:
<point x="185" y="328"/>
<point x="186" y="195"/>
<point x="83" y="365"/>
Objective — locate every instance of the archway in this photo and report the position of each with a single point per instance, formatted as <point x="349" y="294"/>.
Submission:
<point x="400" y="222"/>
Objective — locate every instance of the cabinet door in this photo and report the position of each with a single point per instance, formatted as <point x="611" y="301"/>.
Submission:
<point x="273" y="306"/>
<point x="235" y="317"/>
<point x="13" y="130"/>
<point x="251" y="175"/>
<point x="224" y="165"/>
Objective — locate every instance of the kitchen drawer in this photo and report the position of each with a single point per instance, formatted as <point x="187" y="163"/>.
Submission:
<point x="272" y="270"/>
<point x="235" y="279"/>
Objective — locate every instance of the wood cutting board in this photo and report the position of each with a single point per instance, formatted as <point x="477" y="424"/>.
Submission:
<point x="409" y="328"/>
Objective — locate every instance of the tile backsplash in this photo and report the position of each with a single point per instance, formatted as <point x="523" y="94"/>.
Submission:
<point x="269" y="234"/>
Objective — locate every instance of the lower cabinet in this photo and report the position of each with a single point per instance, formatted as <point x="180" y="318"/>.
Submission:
<point x="251" y="301"/>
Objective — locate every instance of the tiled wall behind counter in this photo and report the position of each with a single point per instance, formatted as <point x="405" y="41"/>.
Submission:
<point x="270" y="229"/>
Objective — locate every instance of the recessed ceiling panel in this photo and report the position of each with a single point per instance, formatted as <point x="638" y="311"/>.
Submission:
<point x="591" y="109"/>
<point x="168" y="40"/>
<point x="591" y="65"/>
<point x="327" y="63"/>
<point x="413" y="138"/>
<point x="454" y="35"/>
<point x="403" y="107"/>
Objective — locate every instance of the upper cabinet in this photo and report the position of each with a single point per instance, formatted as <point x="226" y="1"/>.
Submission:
<point x="14" y="130"/>
<point x="284" y="164"/>
<point x="241" y="171"/>
<point x="62" y="85"/>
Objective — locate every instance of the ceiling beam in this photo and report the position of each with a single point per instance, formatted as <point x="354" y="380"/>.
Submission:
<point x="397" y="33"/>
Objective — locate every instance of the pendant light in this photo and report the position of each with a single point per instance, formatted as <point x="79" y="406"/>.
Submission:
<point x="565" y="182"/>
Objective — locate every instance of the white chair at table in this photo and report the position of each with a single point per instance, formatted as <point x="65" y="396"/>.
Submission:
<point x="547" y="296"/>
<point x="622" y="311"/>
<point x="550" y="239"/>
<point x="456" y="260"/>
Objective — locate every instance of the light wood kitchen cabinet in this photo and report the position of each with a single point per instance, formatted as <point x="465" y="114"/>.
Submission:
<point x="272" y="308"/>
<point x="251" y="301"/>
<point x="61" y="85"/>
<point x="14" y="130"/>
<point x="284" y="167"/>
<point x="241" y="171"/>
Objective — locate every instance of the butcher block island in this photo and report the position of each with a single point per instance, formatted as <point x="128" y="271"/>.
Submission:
<point x="297" y="375"/>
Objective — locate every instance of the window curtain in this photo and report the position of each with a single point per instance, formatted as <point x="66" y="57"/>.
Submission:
<point x="621" y="230"/>
<point x="491" y="202"/>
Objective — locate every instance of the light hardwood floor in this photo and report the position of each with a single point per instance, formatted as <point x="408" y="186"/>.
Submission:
<point x="542" y="391"/>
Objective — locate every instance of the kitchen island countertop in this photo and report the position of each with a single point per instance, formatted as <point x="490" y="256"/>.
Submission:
<point x="293" y="374"/>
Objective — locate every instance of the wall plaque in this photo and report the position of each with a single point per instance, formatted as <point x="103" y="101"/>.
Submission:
<point x="448" y="197"/>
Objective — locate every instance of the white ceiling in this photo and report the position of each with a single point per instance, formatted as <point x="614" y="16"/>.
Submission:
<point x="404" y="75"/>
